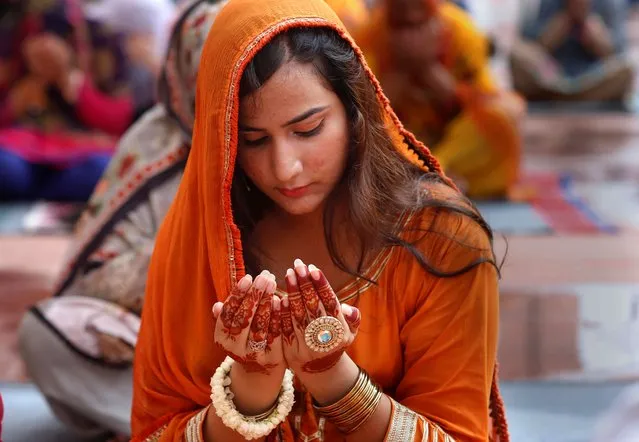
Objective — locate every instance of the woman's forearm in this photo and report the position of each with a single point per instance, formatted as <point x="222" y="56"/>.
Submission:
<point x="555" y="32"/>
<point x="254" y="393"/>
<point x="331" y="385"/>
<point x="597" y="38"/>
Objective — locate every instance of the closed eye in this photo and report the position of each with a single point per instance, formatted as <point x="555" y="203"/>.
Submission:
<point x="254" y="143"/>
<point x="309" y="133"/>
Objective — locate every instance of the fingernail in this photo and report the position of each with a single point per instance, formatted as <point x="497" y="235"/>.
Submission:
<point x="285" y="301"/>
<point x="260" y="283"/>
<point x="354" y="314"/>
<point x="276" y="304"/>
<point x="314" y="272"/>
<point x="290" y="275"/>
<point x="347" y="310"/>
<point x="244" y="283"/>
<point x="300" y="268"/>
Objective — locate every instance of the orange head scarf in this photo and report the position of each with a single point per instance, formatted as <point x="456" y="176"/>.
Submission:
<point x="198" y="252"/>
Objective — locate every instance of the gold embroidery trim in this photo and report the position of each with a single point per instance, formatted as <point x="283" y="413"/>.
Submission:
<point x="193" y="432"/>
<point x="155" y="437"/>
<point x="403" y="424"/>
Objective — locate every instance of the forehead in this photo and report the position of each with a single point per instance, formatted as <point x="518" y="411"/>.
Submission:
<point x="398" y="5"/>
<point x="293" y="88"/>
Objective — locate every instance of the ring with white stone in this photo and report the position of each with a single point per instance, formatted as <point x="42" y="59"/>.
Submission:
<point x="257" y="346"/>
<point x="324" y="334"/>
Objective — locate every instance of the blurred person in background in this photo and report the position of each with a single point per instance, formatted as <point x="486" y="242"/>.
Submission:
<point x="68" y="90"/>
<point x="433" y="65"/>
<point x="573" y="50"/>
<point x="78" y="346"/>
<point x="353" y="13"/>
<point x="145" y="23"/>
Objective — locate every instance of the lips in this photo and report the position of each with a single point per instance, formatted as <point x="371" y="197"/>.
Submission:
<point x="294" y="192"/>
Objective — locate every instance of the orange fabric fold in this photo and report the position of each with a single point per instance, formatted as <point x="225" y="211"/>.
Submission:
<point x="198" y="259"/>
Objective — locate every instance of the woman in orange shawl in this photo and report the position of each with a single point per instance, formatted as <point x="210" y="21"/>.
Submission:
<point x="297" y="157"/>
<point x="433" y="64"/>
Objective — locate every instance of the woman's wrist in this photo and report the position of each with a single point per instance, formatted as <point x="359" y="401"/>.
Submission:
<point x="329" y="386"/>
<point x="70" y="85"/>
<point x="255" y="393"/>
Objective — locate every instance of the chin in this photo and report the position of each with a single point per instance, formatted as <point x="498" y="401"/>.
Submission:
<point x="301" y="206"/>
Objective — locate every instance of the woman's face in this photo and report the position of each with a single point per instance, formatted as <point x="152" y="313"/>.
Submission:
<point x="293" y="139"/>
<point x="407" y="13"/>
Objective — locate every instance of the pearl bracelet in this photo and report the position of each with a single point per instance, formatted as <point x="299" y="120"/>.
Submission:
<point x="250" y="427"/>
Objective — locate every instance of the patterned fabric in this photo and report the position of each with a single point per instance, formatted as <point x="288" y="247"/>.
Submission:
<point x="115" y="236"/>
<point x="177" y="84"/>
<point x="97" y="50"/>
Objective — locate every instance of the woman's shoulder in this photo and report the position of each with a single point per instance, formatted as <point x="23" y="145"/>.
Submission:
<point x="461" y="23"/>
<point x="448" y="230"/>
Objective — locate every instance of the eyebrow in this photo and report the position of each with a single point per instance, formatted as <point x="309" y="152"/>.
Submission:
<point x="301" y="117"/>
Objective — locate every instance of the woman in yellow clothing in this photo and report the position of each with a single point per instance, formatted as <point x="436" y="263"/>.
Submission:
<point x="353" y="13"/>
<point x="432" y="63"/>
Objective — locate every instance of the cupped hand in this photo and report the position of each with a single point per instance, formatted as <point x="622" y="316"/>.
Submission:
<point x="310" y="297"/>
<point x="49" y="57"/>
<point x="248" y="325"/>
<point x="579" y="10"/>
<point x="417" y="46"/>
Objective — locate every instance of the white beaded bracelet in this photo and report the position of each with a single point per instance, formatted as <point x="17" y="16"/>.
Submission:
<point x="249" y="427"/>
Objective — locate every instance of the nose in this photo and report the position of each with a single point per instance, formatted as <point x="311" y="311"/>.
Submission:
<point x="286" y="161"/>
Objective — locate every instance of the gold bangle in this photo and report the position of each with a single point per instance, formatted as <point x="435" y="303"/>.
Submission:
<point x="356" y="407"/>
<point x="363" y="417"/>
<point x="352" y="394"/>
<point x="262" y="416"/>
<point x="359" y="410"/>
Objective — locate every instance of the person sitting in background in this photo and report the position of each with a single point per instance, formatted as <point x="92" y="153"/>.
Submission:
<point x="353" y="13"/>
<point x="145" y="23"/>
<point x="433" y="65"/>
<point x="68" y="90"/>
<point x="572" y="50"/>
<point x="85" y="333"/>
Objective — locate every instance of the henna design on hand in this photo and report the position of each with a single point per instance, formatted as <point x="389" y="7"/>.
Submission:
<point x="354" y="319"/>
<point x="322" y="364"/>
<point x="298" y="311"/>
<point x="309" y="294"/>
<point x="250" y="364"/>
<point x="229" y="309"/>
<point x="310" y="298"/>
<point x="275" y="327"/>
<point x="244" y="313"/>
<point x="261" y="319"/>
<point x="326" y="294"/>
<point x="288" y="333"/>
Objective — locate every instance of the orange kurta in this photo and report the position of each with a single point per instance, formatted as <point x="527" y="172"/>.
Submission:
<point x="482" y="143"/>
<point x="430" y="342"/>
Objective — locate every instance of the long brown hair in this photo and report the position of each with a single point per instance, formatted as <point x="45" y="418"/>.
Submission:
<point x="381" y="185"/>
